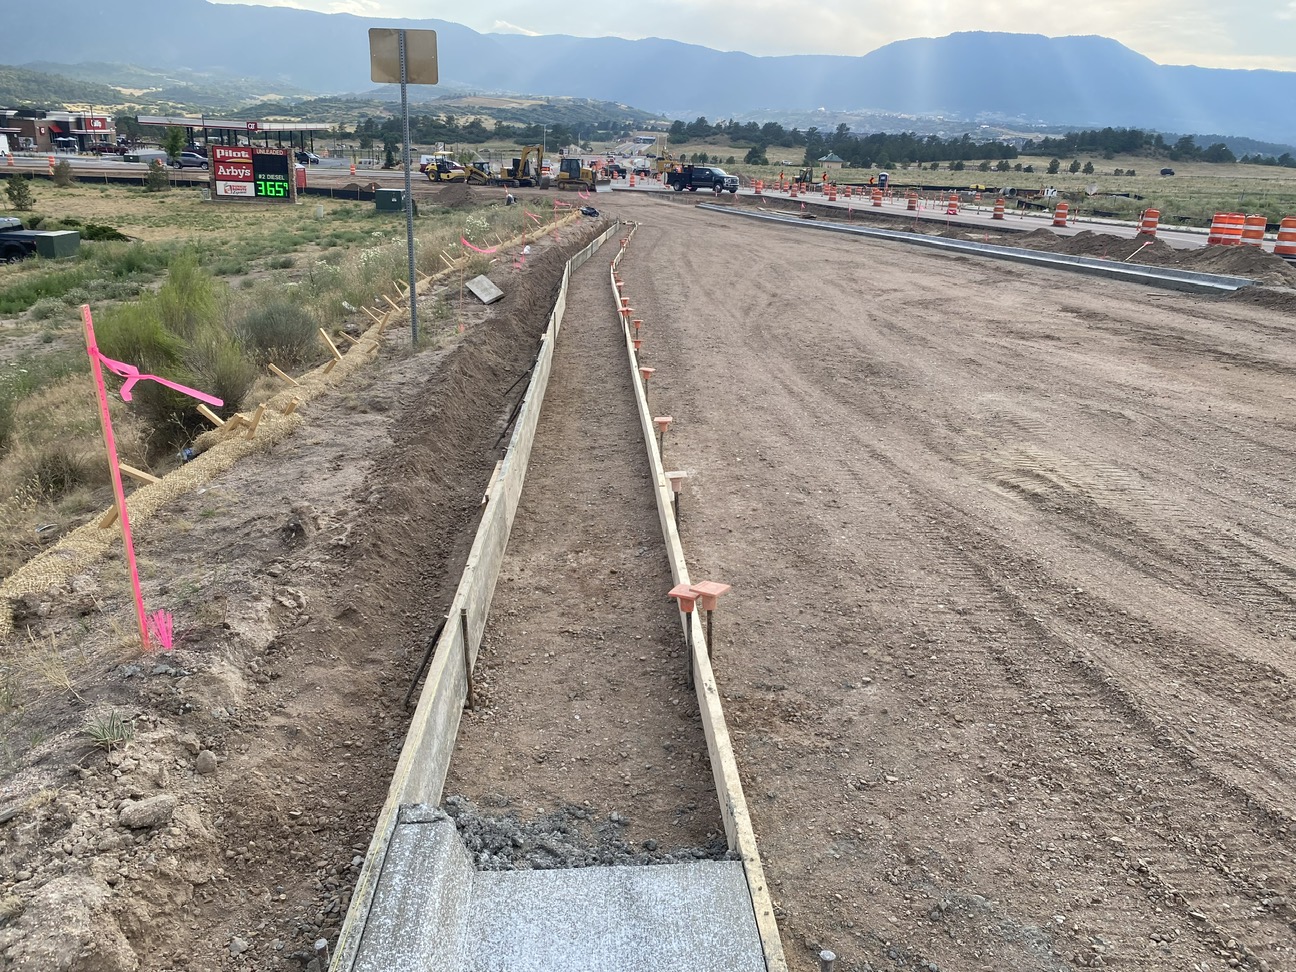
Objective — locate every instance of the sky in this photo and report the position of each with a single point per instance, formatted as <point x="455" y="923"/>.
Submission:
<point x="1207" y="33"/>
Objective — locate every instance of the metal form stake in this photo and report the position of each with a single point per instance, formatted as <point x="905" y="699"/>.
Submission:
<point x="409" y="196"/>
<point x="468" y="673"/>
<point x="686" y="598"/>
<point x="708" y="595"/>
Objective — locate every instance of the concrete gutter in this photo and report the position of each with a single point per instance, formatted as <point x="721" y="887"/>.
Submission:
<point x="1171" y="279"/>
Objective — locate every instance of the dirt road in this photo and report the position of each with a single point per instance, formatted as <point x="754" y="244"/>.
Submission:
<point x="1009" y="658"/>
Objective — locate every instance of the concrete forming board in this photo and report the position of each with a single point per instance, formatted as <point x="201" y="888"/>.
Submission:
<point x="434" y="913"/>
<point x="653" y="918"/>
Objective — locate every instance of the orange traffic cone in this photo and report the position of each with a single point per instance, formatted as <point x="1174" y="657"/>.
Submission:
<point x="353" y="168"/>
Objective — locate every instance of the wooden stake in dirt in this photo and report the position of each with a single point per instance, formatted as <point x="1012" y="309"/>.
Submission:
<point x="274" y="370"/>
<point x="139" y="474"/>
<point x="256" y="420"/>
<point x="210" y="416"/>
<point x="337" y="355"/>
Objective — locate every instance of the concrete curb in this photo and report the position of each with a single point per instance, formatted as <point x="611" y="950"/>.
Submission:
<point x="724" y="767"/>
<point x="1134" y="273"/>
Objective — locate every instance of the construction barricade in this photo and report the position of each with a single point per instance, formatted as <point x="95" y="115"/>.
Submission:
<point x="1148" y="224"/>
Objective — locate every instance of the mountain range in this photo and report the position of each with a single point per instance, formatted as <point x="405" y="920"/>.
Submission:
<point x="1025" y="79"/>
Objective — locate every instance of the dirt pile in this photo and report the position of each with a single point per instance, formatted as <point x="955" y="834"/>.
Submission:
<point x="457" y="195"/>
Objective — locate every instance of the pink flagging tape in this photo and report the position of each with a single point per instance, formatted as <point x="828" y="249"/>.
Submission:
<point x="561" y="205"/>
<point x="532" y="215"/>
<point x="160" y="625"/>
<point x="132" y="374"/>
<point x="493" y="249"/>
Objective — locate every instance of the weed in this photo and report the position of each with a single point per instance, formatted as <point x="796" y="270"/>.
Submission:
<point x="279" y="330"/>
<point x="56" y="468"/>
<point x="109" y="732"/>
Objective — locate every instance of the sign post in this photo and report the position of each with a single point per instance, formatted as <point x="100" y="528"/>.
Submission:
<point x="408" y="57"/>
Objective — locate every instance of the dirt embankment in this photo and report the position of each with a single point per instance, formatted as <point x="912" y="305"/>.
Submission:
<point x="228" y="832"/>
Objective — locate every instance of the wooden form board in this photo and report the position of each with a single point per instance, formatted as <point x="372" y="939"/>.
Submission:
<point x="724" y="768"/>
<point x="425" y="758"/>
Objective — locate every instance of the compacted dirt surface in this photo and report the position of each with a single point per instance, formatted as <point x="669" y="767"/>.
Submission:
<point x="1007" y="661"/>
<point x="1009" y="655"/>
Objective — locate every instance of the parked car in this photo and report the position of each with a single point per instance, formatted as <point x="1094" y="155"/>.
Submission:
<point x="190" y="160"/>
<point x="308" y="158"/>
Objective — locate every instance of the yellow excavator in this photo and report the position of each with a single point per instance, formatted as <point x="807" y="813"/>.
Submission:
<point x="525" y="170"/>
<point x="573" y="175"/>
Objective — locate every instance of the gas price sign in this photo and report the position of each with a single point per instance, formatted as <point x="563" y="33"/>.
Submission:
<point x="247" y="172"/>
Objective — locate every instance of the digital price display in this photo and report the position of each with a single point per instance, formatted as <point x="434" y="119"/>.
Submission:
<point x="247" y="172"/>
<point x="271" y="174"/>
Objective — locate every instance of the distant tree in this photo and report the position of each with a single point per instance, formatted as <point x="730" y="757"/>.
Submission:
<point x="1219" y="152"/>
<point x="1130" y="172"/>
<point x="957" y="165"/>
<point x="1003" y="165"/>
<point x="63" y="175"/>
<point x="1018" y="167"/>
<point x="678" y="133"/>
<point x="731" y="160"/>
<point x="1053" y="166"/>
<point x="1028" y="168"/>
<point x="174" y="141"/>
<point x="756" y="156"/>
<point x="1088" y="168"/>
<point x="1074" y="167"/>
<point x="701" y="158"/>
<point x="128" y="127"/>
<point x="1118" y="172"/>
<point x="984" y="166"/>
<point x="156" y="180"/>
<point x="18" y="189"/>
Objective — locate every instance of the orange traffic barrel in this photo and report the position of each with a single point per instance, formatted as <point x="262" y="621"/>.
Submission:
<point x="759" y="186"/>
<point x="1231" y="226"/>
<point x="1286" y="246"/>
<point x="877" y="197"/>
<point x="832" y="192"/>
<point x="1216" y="235"/>
<point x="1148" y="225"/>
<point x="911" y="202"/>
<point x="952" y="208"/>
<point x="999" y="209"/>
<point x="1253" y="230"/>
<point x="1060" y="214"/>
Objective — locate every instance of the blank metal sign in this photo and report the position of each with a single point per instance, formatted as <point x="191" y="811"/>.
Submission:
<point x="420" y="56"/>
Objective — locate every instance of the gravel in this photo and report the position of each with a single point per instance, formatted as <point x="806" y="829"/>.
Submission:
<point x="570" y="836"/>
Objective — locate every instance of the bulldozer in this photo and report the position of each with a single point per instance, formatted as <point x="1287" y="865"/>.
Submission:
<point x="573" y="175"/>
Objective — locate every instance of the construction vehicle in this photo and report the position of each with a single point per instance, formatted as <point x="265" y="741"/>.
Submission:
<point x="439" y="168"/>
<point x="573" y="175"/>
<point x="525" y="170"/>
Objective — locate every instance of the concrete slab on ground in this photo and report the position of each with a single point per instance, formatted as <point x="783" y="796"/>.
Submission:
<point x="433" y="913"/>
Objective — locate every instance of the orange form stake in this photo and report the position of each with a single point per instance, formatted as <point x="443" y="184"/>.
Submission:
<point x="110" y="445"/>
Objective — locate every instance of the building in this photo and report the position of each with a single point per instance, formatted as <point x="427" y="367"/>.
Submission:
<point x="228" y="131"/>
<point x="38" y="130"/>
<point x="831" y="161"/>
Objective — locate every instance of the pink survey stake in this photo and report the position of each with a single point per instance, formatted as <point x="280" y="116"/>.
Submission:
<point x="132" y="375"/>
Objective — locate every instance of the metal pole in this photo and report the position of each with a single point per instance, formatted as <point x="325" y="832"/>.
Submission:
<point x="409" y="200"/>
<point x="710" y="642"/>
<point x="468" y="672"/>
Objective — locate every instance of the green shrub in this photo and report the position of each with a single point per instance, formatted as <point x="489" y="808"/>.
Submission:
<point x="279" y="330"/>
<point x="63" y="174"/>
<point x="97" y="232"/>
<point x="222" y="368"/>
<point x="157" y="179"/>
<point x="18" y="189"/>
<point x="187" y="303"/>
<point x="55" y="469"/>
